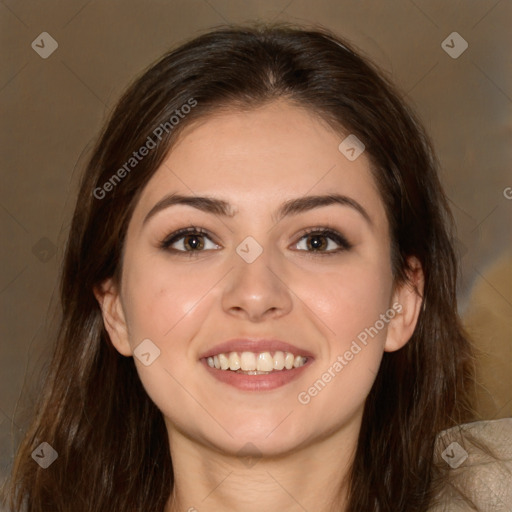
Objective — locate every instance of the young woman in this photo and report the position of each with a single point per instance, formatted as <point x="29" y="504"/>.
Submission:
<point x="258" y="296"/>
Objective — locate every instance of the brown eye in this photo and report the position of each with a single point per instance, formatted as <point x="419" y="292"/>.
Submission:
<point x="324" y="241"/>
<point x="317" y="242"/>
<point x="188" y="240"/>
<point x="193" y="241"/>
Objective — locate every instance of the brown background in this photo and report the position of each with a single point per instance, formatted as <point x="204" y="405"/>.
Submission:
<point x="52" y="108"/>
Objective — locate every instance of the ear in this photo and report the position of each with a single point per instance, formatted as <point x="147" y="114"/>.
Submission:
<point x="407" y="302"/>
<point x="113" y="316"/>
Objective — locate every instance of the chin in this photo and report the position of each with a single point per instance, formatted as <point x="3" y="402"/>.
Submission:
<point x="272" y="437"/>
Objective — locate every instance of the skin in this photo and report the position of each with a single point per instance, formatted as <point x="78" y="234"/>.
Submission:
<point x="255" y="160"/>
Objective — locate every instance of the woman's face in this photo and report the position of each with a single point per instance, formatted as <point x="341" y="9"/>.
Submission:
<point x="257" y="275"/>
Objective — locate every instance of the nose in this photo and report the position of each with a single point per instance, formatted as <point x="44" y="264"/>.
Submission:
<point x="256" y="291"/>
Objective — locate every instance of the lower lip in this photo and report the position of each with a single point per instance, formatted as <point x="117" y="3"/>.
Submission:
<point x="266" y="382"/>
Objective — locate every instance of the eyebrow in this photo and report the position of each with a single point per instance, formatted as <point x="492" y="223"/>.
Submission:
<point x="296" y="206"/>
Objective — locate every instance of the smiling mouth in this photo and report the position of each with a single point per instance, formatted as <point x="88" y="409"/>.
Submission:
<point x="252" y="363"/>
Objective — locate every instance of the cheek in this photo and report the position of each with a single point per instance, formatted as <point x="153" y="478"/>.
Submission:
<point x="349" y="300"/>
<point x="351" y="303"/>
<point x="162" y="306"/>
<point x="339" y="385"/>
<point x="161" y="300"/>
<point x="166" y="306"/>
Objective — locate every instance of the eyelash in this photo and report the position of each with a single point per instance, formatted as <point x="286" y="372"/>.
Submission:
<point x="192" y="230"/>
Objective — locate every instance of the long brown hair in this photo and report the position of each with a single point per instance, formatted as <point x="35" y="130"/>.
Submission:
<point x="111" y="439"/>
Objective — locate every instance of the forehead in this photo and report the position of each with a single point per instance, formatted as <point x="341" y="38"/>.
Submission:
<point x="258" y="158"/>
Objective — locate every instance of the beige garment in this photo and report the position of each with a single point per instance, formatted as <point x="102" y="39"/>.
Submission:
<point x="478" y="460"/>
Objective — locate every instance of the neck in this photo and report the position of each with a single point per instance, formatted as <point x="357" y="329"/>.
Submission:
<point x="310" y="478"/>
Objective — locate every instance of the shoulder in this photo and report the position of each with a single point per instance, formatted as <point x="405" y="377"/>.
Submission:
<point x="475" y="460"/>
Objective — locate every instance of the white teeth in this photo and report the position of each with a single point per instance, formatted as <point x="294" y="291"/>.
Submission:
<point x="234" y="361"/>
<point x="248" y="362"/>
<point x="265" y="362"/>
<point x="224" y="362"/>
<point x="278" y="360"/>
<point x="296" y="362"/>
<point x="252" y="363"/>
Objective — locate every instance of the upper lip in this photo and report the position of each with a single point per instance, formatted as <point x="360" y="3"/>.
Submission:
<point x="255" y="345"/>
